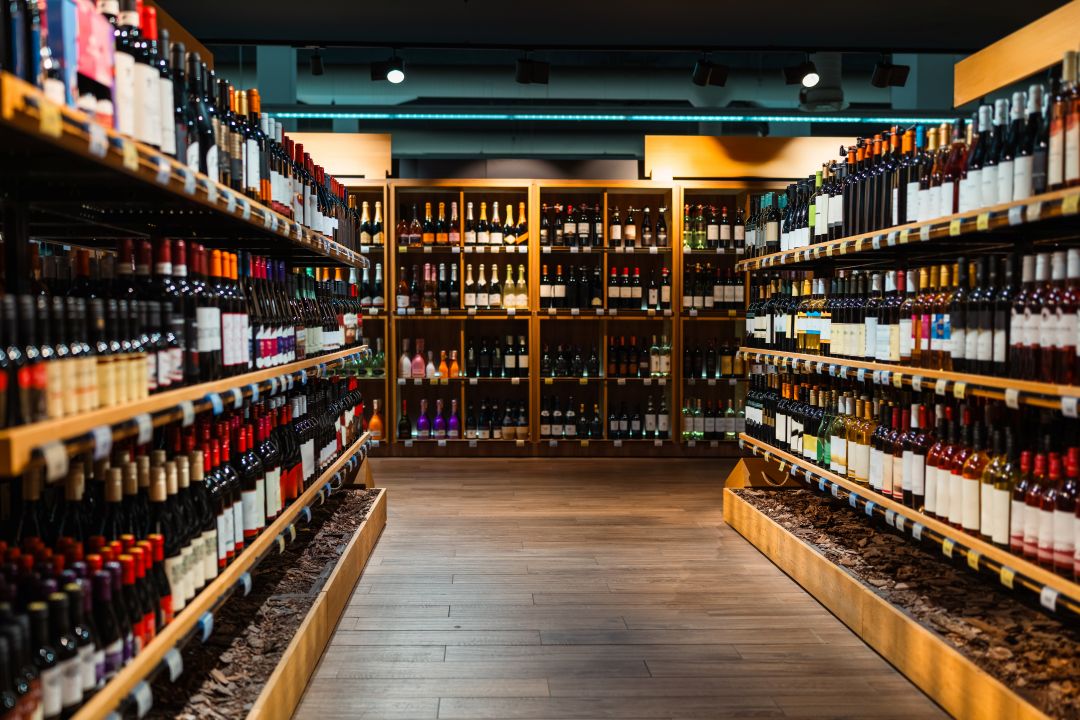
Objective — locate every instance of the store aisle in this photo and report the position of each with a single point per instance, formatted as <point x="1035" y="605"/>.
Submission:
<point x="585" y="589"/>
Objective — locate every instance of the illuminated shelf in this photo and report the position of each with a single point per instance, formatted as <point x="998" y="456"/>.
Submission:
<point x="1055" y="593"/>
<point x="18" y="444"/>
<point x="188" y="620"/>
<point x="1046" y="395"/>
<point x="1020" y="215"/>
<point x="195" y="201"/>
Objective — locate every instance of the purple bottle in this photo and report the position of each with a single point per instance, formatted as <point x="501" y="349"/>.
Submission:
<point x="440" y="421"/>
<point x="453" y="428"/>
<point x="423" y="425"/>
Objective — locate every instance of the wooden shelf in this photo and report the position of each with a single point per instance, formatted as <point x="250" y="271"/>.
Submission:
<point x="25" y="108"/>
<point x="1046" y="395"/>
<point x="1055" y="592"/>
<point x="17" y="444"/>
<point x="1021" y="215"/>
<point x="118" y="689"/>
<point x="437" y="314"/>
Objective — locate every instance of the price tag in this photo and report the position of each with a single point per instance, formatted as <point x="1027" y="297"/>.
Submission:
<point x="553" y="443"/>
<point x="941" y="386"/>
<point x="418" y="381"/>
<point x="99" y="140"/>
<point x="982" y="222"/>
<point x="306" y="511"/>
<point x="295" y="230"/>
<point x="853" y="500"/>
<point x="924" y="233"/>
<point x="662" y="382"/>
<point x="1048" y="596"/>
<point x="245" y="208"/>
<point x="876" y="242"/>
<point x="869" y="509"/>
<point x="898" y="380"/>
<point x="585" y="381"/>
<point x="828" y="250"/>
<point x="954" y="227"/>
<point x="230" y="201"/>
<point x="1012" y="398"/>
<point x="833" y="370"/>
<point x="1069" y="204"/>
<point x="254" y="388"/>
<point x="890" y="517"/>
<point x="1007" y="575"/>
<point x="471" y="311"/>
<point x="427" y="248"/>
<point x="515" y="381"/>
<point x="440" y="443"/>
<point x="206" y="626"/>
<point x="164" y="170"/>
<point x="693" y="312"/>
<point x="782" y="466"/>
<point x="899" y="523"/>
<point x="174" y="661"/>
<point x="144" y="698"/>
<point x="52" y="124"/>
<point x="916" y="531"/>
<point x="130" y="154"/>
<point x="1016" y="215"/>
<point x="189" y="180"/>
<point x="973" y="559"/>
<point x="280" y="541"/>
<point x="1034" y="211"/>
<point x="473" y="381"/>
<point x="904" y="235"/>
<point x="287" y="379"/>
<point x="711" y="382"/>
<point x="211" y="191"/>
<point x="860" y="374"/>
<point x="519" y="443"/>
<point x="510" y="312"/>
<point x="56" y="460"/>
<point x="546" y="250"/>
<point x="613" y="311"/>
<point x="584" y="443"/>
<point x="658" y="443"/>
<point x="599" y="311"/>
<point x="620" y="381"/>
<point x="617" y="443"/>
<point x="216" y="405"/>
<point x="822" y="484"/>
<point x="237" y="397"/>
<point x="102" y="435"/>
<point x="573" y="250"/>
<point x="916" y="383"/>
<point x="1068" y="407"/>
<point x="947" y="546"/>
<point x="146" y="428"/>
<point x="268" y="219"/>
<point x="647" y="381"/>
<point x="959" y="390"/>
<point x="427" y="311"/>
<point x="808" y="476"/>
<point x="481" y="249"/>
<point x="691" y="443"/>
<point x="885" y="375"/>
<point x="292" y="532"/>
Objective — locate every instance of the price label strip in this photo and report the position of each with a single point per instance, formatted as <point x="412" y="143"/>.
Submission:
<point x="144" y="698"/>
<point x="102" y="435"/>
<point x="174" y="661"/>
<point x="146" y="428"/>
<point x="56" y="460"/>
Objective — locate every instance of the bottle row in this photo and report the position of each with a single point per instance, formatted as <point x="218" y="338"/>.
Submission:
<point x="703" y="229"/>
<point x="95" y="566"/>
<point x="582" y="225"/>
<point x="114" y="64"/>
<point x="490" y="423"/>
<point x="439" y="231"/>
<point x="1009" y="151"/>
<point x="159" y="315"/>
<point x="701" y="420"/>
<point x="430" y="288"/>
<point x="1007" y="476"/>
<point x="623" y="422"/>
<point x="967" y="316"/>
<point x="484" y="358"/>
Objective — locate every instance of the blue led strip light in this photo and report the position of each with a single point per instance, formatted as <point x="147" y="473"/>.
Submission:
<point x="588" y="117"/>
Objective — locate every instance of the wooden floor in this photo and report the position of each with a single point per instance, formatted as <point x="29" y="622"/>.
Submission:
<point x="585" y="589"/>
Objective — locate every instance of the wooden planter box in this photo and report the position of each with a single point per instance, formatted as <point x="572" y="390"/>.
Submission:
<point x="938" y="669"/>
<point x="285" y="686"/>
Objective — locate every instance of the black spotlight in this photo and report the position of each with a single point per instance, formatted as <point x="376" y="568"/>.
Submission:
<point x="709" y="73"/>
<point x="529" y="72"/>
<point x="392" y="70"/>
<point x="317" y="64"/>
<point x="888" y="75"/>
<point x="805" y="74"/>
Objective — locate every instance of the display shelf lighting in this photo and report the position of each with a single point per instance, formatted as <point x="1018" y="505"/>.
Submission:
<point x="607" y="117"/>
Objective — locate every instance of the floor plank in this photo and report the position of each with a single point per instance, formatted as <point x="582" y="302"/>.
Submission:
<point x="579" y="589"/>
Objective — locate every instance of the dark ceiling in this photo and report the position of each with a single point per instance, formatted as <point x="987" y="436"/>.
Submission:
<point x="914" y="25"/>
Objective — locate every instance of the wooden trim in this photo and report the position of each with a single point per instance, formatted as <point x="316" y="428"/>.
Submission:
<point x="1031" y="49"/>
<point x="350" y="155"/>
<point x="17" y="444"/>
<point x="737" y="158"/>
<point x="938" y="669"/>
<point x="987" y="550"/>
<point x="285" y="687"/>
<point x="110" y="697"/>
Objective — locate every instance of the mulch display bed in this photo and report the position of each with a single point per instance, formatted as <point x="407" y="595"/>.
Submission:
<point x="223" y="677"/>
<point x="1035" y="655"/>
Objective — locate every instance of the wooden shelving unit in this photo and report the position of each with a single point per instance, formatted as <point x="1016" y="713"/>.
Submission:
<point x="21" y="445"/>
<point x="175" y="197"/>
<point x="199" y="612"/>
<point x="1038" y="394"/>
<point x="994" y="225"/>
<point x="1055" y="592"/>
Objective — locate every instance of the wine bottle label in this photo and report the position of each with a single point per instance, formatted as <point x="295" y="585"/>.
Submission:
<point x="307" y="459"/>
<point x="1005" y="179"/>
<point x="875" y="468"/>
<point x="948" y="198"/>
<point x="859" y="462"/>
<point x="1022" y="179"/>
<point x="249" y="500"/>
<point x="173" y="573"/>
<point x="147" y="98"/>
<point x="209" y="324"/>
<point x="969" y="503"/>
<point x="1046" y="537"/>
<point x="124" y="92"/>
<point x="71" y="682"/>
<point x="273" y="492"/>
<point x="237" y="526"/>
<point x="224" y="536"/>
<point x="838" y="454"/>
<point x="1072" y="147"/>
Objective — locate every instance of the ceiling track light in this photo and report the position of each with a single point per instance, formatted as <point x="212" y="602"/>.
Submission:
<point x="706" y="72"/>
<point x="317" y="67"/>
<point x="805" y="74"/>
<point x="532" y="72"/>
<point x="888" y="75"/>
<point x="392" y="70"/>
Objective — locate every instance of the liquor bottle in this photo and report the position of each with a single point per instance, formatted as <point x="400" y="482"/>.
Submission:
<point x="495" y="228"/>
